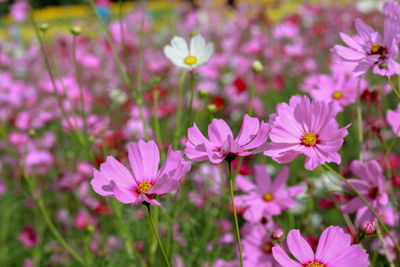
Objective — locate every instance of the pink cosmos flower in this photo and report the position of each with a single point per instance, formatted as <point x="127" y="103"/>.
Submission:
<point x="340" y="87"/>
<point x="393" y="118"/>
<point x="222" y="146"/>
<point x="370" y="50"/>
<point x="371" y="185"/>
<point x="267" y="198"/>
<point x="28" y="237"/>
<point x="392" y="11"/>
<point x="334" y="249"/>
<point x="257" y="246"/>
<point x="306" y="128"/>
<point x="145" y="181"/>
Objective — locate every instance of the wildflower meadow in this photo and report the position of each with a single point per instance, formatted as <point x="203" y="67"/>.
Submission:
<point x="258" y="133"/>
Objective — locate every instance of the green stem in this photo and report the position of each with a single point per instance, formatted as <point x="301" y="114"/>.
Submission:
<point x="393" y="87"/>
<point x="78" y="79"/>
<point x="179" y="111"/>
<point x="359" y="120"/>
<point x="379" y="232"/>
<point x="157" y="236"/>
<point x="234" y="212"/>
<point x="366" y="203"/>
<point x="191" y="82"/>
<point x="252" y="91"/>
<point x="157" y="123"/>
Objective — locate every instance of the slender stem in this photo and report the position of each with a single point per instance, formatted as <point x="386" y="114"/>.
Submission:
<point x="366" y="203"/>
<point x="78" y="80"/>
<point x="157" y="236"/>
<point x="156" y="119"/>
<point x="179" y="112"/>
<point x="393" y="87"/>
<point x="191" y="82"/>
<point x="234" y="212"/>
<point x="379" y="232"/>
<point x="122" y="32"/>
<point x="252" y="89"/>
<point x="359" y="119"/>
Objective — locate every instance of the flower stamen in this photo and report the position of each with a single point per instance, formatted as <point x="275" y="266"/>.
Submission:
<point x="337" y="95"/>
<point x="377" y="49"/>
<point x="315" y="264"/>
<point x="143" y="187"/>
<point x="268" y="197"/>
<point x="190" y="60"/>
<point x="309" y="139"/>
<point x="267" y="247"/>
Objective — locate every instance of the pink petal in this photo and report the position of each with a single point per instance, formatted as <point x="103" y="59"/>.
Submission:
<point x="248" y="131"/>
<point x="299" y="247"/>
<point x="283" y="259"/>
<point x="144" y="159"/>
<point x="263" y="179"/>
<point x="218" y="131"/>
<point x="331" y="243"/>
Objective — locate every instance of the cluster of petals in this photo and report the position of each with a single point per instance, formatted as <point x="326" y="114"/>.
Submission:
<point x="221" y="144"/>
<point x="145" y="181"/>
<point x="393" y="118"/>
<point x="197" y="54"/>
<point x="369" y="50"/>
<point x="371" y="185"/>
<point x="266" y="198"/>
<point x="309" y="128"/>
<point x="334" y="249"/>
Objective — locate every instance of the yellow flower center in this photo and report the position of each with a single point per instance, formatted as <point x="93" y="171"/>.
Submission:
<point x="377" y="49"/>
<point x="190" y="60"/>
<point x="337" y="95"/>
<point x="267" y="247"/>
<point x="268" y="197"/>
<point x="144" y="187"/>
<point x="315" y="264"/>
<point x="309" y="139"/>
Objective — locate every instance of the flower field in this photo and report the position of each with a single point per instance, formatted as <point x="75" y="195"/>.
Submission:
<point x="200" y="133"/>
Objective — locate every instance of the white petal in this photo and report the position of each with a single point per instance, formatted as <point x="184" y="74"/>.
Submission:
<point x="179" y="44"/>
<point x="206" y="54"/>
<point x="197" y="44"/>
<point x="173" y="55"/>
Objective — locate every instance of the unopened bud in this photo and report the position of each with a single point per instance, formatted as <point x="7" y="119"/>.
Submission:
<point x="44" y="27"/>
<point x="76" y="30"/>
<point x="368" y="227"/>
<point x="32" y="132"/>
<point x="203" y="93"/>
<point x="257" y="67"/>
<point x="90" y="228"/>
<point x="212" y="108"/>
<point x="278" y="235"/>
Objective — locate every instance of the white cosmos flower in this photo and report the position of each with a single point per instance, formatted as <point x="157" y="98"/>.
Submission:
<point x="198" y="54"/>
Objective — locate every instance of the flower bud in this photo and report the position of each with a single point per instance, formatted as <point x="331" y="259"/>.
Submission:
<point x="278" y="234"/>
<point x="43" y="27"/>
<point x="203" y="93"/>
<point x="257" y="67"/>
<point x="76" y="30"/>
<point x="212" y="108"/>
<point x="368" y="227"/>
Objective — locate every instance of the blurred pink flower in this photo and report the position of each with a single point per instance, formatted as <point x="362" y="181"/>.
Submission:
<point x="393" y="118"/>
<point x="28" y="237"/>
<point x="19" y="10"/>
<point x="266" y="198"/>
<point x="306" y="128"/>
<point x="371" y="185"/>
<point x="221" y="146"/>
<point x="146" y="181"/>
<point x="334" y="249"/>
<point x="369" y="50"/>
<point x="257" y="246"/>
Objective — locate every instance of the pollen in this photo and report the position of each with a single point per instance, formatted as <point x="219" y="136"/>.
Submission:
<point x="377" y="49"/>
<point x="337" y="95"/>
<point x="315" y="264"/>
<point x="190" y="60"/>
<point x="309" y="139"/>
<point x="267" y="247"/>
<point x="143" y="187"/>
<point x="268" y="197"/>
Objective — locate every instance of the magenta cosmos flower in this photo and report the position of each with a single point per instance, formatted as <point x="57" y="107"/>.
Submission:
<point x="145" y="181"/>
<point x="306" y="128"/>
<point x="393" y="118"/>
<point x="371" y="185"/>
<point x="250" y="140"/>
<point x="334" y="249"/>
<point x="369" y="50"/>
<point x="266" y="198"/>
